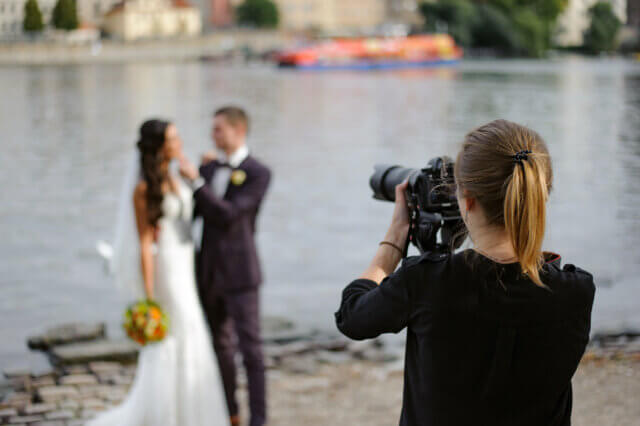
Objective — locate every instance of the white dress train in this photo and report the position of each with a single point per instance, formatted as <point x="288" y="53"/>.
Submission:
<point x="177" y="382"/>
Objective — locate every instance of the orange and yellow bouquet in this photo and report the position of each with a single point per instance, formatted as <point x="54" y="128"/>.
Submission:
<point x="145" y="322"/>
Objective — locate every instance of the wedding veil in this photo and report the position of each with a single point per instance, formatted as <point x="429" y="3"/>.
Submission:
<point x="124" y="255"/>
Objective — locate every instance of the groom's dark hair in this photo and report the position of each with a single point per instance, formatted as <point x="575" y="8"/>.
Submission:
<point x="235" y="115"/>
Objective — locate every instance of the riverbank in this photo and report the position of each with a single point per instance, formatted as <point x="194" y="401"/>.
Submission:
<point x="351" y="392"/>
<point x="313" y="379"/>
<point x="213" y="46"/>
<point x="363" y="393"/>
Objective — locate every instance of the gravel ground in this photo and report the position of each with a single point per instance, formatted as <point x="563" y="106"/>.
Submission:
<point x="361" y="393"/>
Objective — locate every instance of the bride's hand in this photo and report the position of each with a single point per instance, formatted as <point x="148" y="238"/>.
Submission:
<point x="187" y="169"/>
<point x="208" y="157"/>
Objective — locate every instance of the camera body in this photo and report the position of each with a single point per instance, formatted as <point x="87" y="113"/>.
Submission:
<point x="432" y="202"/>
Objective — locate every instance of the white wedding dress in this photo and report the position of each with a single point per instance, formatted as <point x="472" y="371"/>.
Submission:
<point x="177" y="382"/>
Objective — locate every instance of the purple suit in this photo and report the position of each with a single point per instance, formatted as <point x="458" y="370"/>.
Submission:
<point x="229" y="275"/>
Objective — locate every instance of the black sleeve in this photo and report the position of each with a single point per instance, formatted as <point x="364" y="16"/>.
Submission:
<point x="221" y="212"/>
<point x="368" y="310"/>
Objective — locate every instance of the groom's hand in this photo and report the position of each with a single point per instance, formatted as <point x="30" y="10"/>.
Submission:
<point x="188" y="170"/>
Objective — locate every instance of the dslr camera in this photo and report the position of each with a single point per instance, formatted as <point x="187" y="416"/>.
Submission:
<point x="432" y="202"/>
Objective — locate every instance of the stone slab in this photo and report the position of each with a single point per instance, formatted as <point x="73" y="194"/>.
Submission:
<point x="25" y="419"/>
<point x="93" y="390"/>
<point x="79" y="379"/>
<point x="102" y="367"/>
<point x="44" y="381"/>
<point x="93" y="404"/>
<point x="75" y="369"/>
<point x="57" y="393"/>
<point x="69" y="404"/>
<point x="66" y="334"/>
<point x="41" y="408"/>
<point x="60" y="415"/>
<point x="100" y="350"/>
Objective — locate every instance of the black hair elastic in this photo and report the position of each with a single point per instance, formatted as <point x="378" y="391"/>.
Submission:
<point x="521" y="155"/>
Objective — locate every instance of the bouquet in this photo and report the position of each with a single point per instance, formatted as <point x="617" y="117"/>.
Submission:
<point x="145" y="322"/>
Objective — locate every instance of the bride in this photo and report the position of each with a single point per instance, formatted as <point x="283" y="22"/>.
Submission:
<point x="177" y="382"/>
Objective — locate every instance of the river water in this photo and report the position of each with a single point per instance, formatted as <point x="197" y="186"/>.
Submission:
<point x="67" y="133"/>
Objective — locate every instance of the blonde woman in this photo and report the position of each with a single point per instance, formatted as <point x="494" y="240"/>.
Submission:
<point x="494" y="333"/>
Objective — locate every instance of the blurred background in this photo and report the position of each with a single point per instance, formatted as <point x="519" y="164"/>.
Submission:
<point x="332" y="87"/>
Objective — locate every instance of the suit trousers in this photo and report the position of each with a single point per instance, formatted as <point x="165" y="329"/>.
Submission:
<point x="234" y="319"/>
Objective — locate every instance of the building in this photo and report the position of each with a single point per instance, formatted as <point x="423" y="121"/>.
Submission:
<point x="12" y="16"/>
<point x="90" y="13"/>
<point x="221" y="13"/>
<point x="138" y="19"/>
<point x="575" y="20"/>
<point x="332" y="16"/>
<point x="335" y="17"/>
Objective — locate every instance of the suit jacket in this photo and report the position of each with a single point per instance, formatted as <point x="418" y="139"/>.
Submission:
<point x="228" y="259"/>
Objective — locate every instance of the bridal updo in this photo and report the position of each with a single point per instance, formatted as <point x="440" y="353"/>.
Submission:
<point x="150" y="145"/>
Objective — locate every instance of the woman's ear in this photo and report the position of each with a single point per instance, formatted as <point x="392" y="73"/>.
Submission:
<point x="470" y="203"/>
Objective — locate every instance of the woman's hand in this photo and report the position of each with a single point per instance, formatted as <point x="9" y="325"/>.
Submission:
<point x="387" y="257"/>
<point x="188" y="170"/>
<point x="208" y="157"/>
<point x="399" y="228"/>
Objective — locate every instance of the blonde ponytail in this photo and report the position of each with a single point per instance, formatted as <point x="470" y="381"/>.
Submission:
<point x="506" y="167"/>
<point x="525" y="213"/>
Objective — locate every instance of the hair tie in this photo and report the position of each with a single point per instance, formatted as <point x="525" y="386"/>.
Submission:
<point x="521" y="155"/>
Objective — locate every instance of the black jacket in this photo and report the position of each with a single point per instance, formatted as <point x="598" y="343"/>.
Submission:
<point x="228" y="259"/>
<point x="485" y="345"/>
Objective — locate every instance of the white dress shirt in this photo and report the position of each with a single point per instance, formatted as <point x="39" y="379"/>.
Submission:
<point x="220" y="180"/>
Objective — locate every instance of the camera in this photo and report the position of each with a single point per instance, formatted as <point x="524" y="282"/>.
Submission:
<point x="432" y="202"/>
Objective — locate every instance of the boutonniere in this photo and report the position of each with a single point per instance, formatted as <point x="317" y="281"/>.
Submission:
<point x="238" y="177"/>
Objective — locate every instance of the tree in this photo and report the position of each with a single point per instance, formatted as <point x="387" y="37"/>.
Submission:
<point x="258" y="13"/>
<point x="32" y="17"/>
<point x="494" y="29"/>
<point x="521" y="27"/>
<point x="458" y="15"/>
<point x="65" y="15"/>
<point x="532" y="34"/>
<point x="601" y="34"/>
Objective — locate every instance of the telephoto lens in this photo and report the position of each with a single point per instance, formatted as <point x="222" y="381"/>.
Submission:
<point x="386" y="177"/>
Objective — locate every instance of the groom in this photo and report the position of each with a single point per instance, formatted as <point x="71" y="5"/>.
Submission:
<point x="228" y="193"/>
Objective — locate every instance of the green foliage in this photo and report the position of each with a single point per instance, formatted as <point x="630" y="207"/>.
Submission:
<point x="494" y="29"/>
<point x="32" y="17"/>
<point x="601" y="34"/>
<point x="258" y="13"/>
<point x="458" y="15"/>
<point x="521" y="27"/>
<point x="549" y="10"/>
<point x="65" y="15"/>
<point x="532" y="35"/>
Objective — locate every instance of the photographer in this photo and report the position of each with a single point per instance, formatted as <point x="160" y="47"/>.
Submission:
<point x="494" y="333"/>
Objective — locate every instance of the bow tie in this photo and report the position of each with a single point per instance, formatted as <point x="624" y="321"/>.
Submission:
<point x="224" y="164"/>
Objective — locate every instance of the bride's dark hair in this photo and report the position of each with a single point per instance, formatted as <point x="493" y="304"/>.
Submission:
<point x="152" y="139"/>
